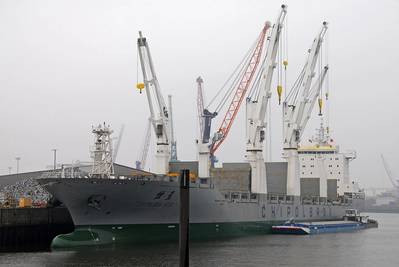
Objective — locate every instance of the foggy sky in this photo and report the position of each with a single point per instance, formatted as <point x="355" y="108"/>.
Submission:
<point x="68" y="65"/>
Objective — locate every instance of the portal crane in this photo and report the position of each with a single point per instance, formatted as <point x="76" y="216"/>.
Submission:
<point x="173" y="144"/>
<point x="256" y="110"/>
<point x="142" y="159"/>
<point x="159" y="112"/>
<point x="297" y="108"/>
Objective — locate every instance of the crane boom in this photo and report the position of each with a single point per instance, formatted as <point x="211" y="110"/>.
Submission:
<point x="173" y="144"/>
<point x="200" y="106"/>
<point x="159" y="111"/>
<point x="256" y="110"/>
<point x="313" y="96"/>
<point x="294" y="112"/>
<point x="240" y="92"/>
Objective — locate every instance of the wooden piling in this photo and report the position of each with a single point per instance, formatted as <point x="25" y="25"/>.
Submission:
<point x="184" y="217"/>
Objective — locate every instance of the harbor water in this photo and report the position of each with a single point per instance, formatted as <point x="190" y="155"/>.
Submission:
<point x="370" y="247"/>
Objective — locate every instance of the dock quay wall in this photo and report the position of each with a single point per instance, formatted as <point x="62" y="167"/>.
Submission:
<point x="32" y="229"/>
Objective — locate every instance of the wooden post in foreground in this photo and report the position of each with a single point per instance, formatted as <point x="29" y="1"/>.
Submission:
<point x="184" y="217"/>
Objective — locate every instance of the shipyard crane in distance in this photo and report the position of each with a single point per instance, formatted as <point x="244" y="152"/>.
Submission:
<point x="395" y="182"/>
<point x="159" y="112"/>
<point x="297" y="108"/>
<point x="142" y="158"/>
<point x="173" y="144"/>
<point x="256" y="107"/>
<point x="119" y="140"/>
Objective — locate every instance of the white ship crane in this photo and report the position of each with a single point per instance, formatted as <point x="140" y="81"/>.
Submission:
<point x="204" y="118"/>
<point x="173" y="143"/>
<point x="142" y="159"/>
<point x="256" y="107"/>
<point x="158" y="109"/>
<point x="297" y="108"/>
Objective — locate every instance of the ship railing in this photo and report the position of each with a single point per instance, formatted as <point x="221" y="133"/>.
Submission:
<point x="279" y="199"/>
<point x="240" y="196"/>
<point x="313" y="200"/>
<point x="340" y="201"/>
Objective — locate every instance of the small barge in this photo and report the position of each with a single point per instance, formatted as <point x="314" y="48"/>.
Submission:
<point x="352" y="221"/>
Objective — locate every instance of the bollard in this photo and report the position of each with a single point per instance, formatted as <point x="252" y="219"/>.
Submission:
<point x="184" y="217"/>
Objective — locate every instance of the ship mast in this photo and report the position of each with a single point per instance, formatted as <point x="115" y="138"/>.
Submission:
<point x="102" y="152"/>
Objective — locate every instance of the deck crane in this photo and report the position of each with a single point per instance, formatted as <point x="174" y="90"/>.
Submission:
<point x="173" y="144"/>
<point x="256" y="107"/>
<point x="206" y="151"/>
<point x="204" y="117"/>
<point x="142" y="159"/>
<point x="241" y="84"/>
<point x="159" y="112"/>
<point x="297" y="108"/>
<point x="239" y="94"/>
<point x="202" y="144"/>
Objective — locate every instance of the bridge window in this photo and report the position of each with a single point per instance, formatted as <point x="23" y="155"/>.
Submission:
<point x="235" y="196"/>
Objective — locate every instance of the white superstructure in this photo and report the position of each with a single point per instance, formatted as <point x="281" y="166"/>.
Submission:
<point x="324" y="160"/>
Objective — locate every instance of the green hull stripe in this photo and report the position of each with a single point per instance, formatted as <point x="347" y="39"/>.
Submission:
<point x="147" y="233"/>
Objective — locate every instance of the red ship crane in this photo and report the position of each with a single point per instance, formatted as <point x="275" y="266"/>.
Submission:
<point x="240" y="92"/>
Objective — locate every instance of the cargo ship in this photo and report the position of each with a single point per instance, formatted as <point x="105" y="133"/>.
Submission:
<point x="226" y="200"/>
<point x="144" y="207"/>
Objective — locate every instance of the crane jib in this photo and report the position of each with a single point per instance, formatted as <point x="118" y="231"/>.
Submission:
<point x="240" y="92"/>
